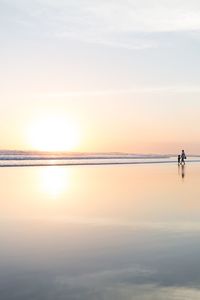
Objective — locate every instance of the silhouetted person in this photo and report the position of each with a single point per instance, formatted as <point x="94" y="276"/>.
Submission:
<point x="179" y="159"/>
<point x="183" y="157"/>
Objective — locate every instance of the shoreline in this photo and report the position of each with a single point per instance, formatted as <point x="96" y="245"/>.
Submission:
<point x="95" y="164"/>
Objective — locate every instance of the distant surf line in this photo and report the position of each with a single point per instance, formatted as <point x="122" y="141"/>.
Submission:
<point x="92" y="164"/>
<point x="24" y="158"/>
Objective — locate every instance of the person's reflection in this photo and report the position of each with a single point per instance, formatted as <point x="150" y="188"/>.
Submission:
<point x="181" y="170"/>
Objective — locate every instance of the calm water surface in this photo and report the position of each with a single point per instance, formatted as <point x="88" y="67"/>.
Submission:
<point x="100" y="232"/>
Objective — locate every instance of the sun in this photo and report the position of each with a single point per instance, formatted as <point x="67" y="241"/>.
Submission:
<point x="54" y="133"/>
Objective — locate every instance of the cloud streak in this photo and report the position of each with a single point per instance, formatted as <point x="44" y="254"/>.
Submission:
<point x="131" y="24"/>
<point x="111" y="92"/>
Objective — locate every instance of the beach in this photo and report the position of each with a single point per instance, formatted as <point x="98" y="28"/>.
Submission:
<point x="100" y="232"/>
<point x="99" y="150"/>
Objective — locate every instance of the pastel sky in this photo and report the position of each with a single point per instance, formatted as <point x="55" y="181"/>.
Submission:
<point x="126" y="72"/>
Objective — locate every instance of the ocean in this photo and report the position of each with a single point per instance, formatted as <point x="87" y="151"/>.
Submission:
<point x="28" y="158"/>
<point x="99" y="232"/>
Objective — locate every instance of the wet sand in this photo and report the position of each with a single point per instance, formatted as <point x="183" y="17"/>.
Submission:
<point x="105" y="232"/>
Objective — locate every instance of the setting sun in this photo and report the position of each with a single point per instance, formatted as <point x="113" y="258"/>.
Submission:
<point x="54" y="133"/>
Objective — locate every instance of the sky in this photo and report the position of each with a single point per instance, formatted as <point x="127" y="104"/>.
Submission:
<point x="123" y="75"/>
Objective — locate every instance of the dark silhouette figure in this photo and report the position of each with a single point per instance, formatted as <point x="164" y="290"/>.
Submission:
<point x="181" y="164"/>
<point x="183" y="157"/>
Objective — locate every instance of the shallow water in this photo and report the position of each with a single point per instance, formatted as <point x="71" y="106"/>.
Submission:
<point x="100" y="232"/>
<point x="28" y="159"/>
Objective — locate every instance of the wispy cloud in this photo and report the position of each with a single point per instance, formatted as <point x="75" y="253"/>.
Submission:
<point x="131" y="24"/>
<point x="110" y="92"/>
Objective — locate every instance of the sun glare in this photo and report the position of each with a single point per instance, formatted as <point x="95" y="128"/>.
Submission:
<point x="54" y="134"/>
<point x="54" y="181"/>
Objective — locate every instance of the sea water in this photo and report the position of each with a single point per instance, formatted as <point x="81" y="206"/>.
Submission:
<point x="100" y="232"/>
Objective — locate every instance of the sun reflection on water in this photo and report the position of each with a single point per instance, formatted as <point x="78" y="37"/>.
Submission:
<point x="54" y="181"/>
